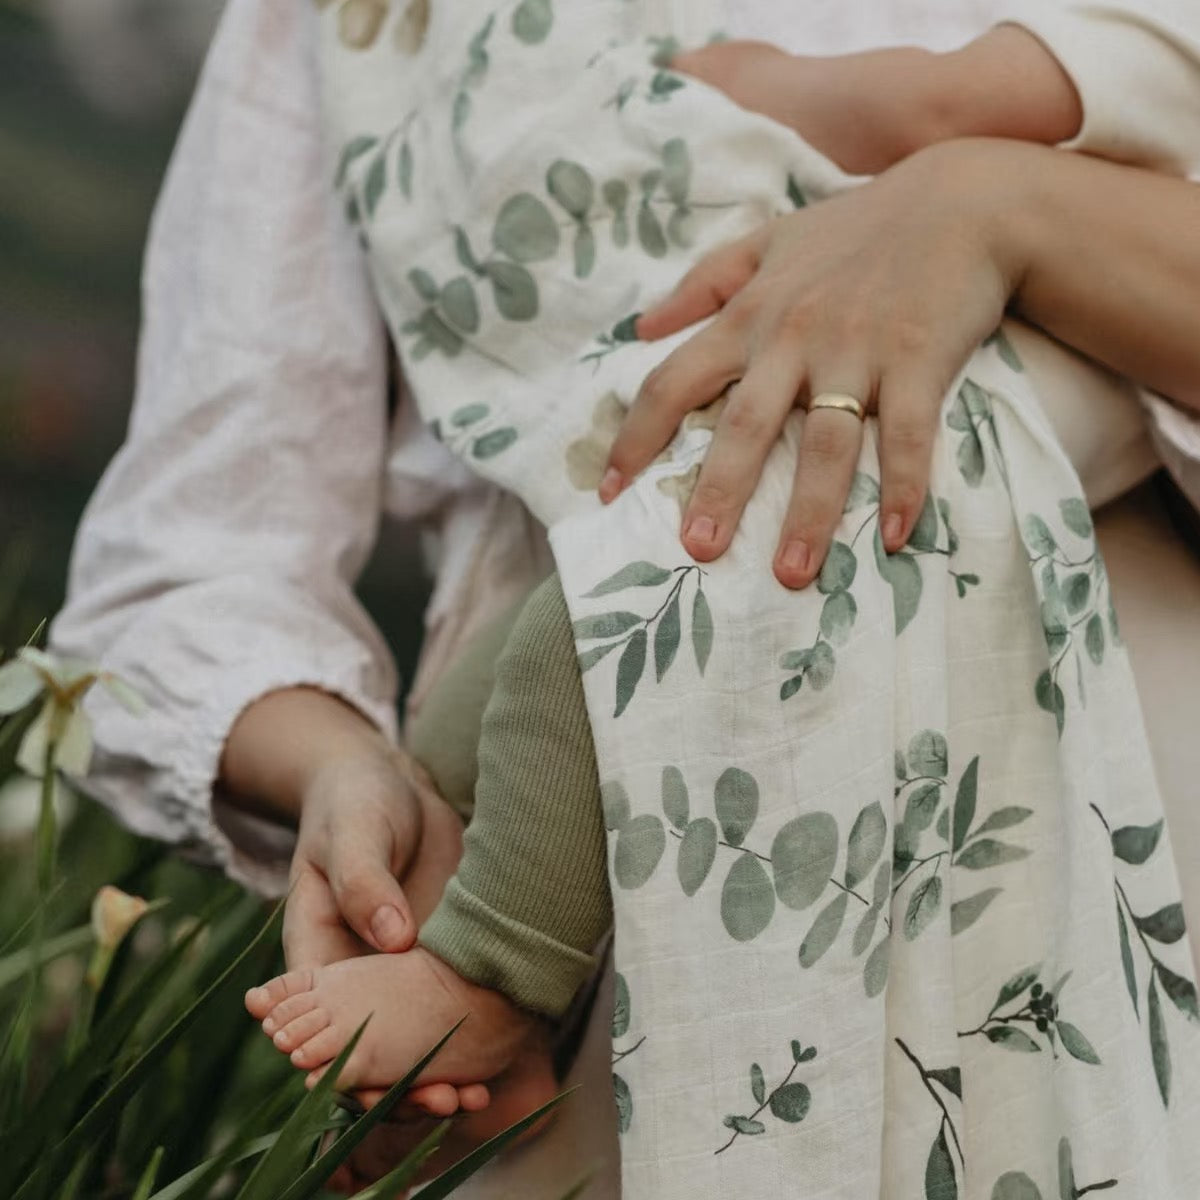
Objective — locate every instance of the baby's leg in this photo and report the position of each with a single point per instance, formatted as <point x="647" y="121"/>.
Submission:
<point x="520" y="918"/>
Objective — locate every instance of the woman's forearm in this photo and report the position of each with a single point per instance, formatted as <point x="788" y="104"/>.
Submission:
<point x="279" y="743"/>
<point x="1106" y="258"/>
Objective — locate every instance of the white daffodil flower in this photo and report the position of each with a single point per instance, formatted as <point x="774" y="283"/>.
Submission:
<point x="62" y="723"/>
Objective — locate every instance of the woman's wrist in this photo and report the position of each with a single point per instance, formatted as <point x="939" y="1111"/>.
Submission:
<point x="281" y="742"/>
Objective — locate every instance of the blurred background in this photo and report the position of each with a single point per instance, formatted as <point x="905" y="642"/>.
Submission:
<point x="91" y="96"/>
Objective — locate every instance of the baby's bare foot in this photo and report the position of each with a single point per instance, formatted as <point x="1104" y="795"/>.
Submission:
<point x="412" y="1000"/>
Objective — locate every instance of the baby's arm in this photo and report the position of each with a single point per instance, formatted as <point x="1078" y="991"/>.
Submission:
<point x="868" y="111"/>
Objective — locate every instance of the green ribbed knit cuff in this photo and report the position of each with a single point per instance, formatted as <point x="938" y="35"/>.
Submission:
<point x="490" y="949"/>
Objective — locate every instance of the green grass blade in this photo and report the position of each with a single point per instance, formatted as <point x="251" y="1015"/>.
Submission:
<point x="275" y="1171"/>
<point x="149" y="1175"/>
<point x="207" y="1173"/>
<point x="458" y="1174"/>
<point x="310" y="1182"/>
<point x="108" y="1107"/>
<point x="21" y="962"/>
<point x="398" y="1180"/>
<point x="579" y="1188"/>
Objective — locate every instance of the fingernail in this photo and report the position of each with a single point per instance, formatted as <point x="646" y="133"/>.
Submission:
<point x="702" y="529"/>
<point x="610" y="485"/>
<point x="387" y="926"/>
<point x="891" y="528"/>
<point x="268" y="1026"/>
<point x="795" y="556"/>
<point x="280" y="1039"/>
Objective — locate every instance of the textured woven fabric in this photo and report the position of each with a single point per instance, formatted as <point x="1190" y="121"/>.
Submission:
<point x="895" y="909"/>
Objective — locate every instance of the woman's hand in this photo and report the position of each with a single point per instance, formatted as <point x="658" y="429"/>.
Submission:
<point x="303" y="756"/>
<point x="882" y="293"/>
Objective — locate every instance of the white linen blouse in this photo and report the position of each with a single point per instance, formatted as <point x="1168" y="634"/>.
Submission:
<point x="217" y="559"/>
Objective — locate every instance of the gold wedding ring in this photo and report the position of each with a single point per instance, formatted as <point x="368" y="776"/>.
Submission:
<point x="842" y="401"/>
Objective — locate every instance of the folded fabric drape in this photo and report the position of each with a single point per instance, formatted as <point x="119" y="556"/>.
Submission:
<point x="896" y="914"/>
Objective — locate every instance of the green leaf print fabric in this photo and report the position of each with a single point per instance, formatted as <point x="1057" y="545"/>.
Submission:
<point x="896" y="912"/>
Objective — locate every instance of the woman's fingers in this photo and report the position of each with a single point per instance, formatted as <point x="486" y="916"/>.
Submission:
<point x="749" y="426"/>
<point x="705" y="289"/>
<point x="693" y="376"/>
<point x="907" y="427"/>
<point x="829" y="449"/>
<point x="368" y="897"/>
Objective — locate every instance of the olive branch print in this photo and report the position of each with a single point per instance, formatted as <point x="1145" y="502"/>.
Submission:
<point x="1037" y="1015"/>
<point x="630" y="632"/>
<point x="816" y="664"/>
<point x="622" y="1018"/>
<point x="923" y="774"/>
<point x="942" y="1175"/>
<point x="1134" y="845"/>
<point x="789" y="1102"/>
<point x="1073" y="591"/>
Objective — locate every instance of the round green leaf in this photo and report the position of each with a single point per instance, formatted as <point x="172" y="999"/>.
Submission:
<point x="469" y="414"/>
<point x="904" y="574"/>
<point x="459" y="304"/>
<point x="513" y="290"/>
<point x="572" y="187"/>
<point x="697" y="852"/>
<point x="1093" y="638"/>
<point x="675" y="797"/>
<point x="650" y="232"/>
<point x="1076" y="516"/>
<point x="791" y="1103"/>
<point x="837" y="617"/>
<point x="822" y="664"/>
<point x="803" y="856"/>
<point x="736" y="797"/>
<point x="1015" y="1185"/>
<point x="839" y="569"/>
<point x="1077" y="592"/>
<point x="423" y="284"/>
<point x="971" y="465"/>
<point x="924" y="535"/>
<point x="758" y="1084"/>
<point x="747" y="899"/>
<point x="525" y="229"/>
<point x="1166" y="926"/>
<point x="866" y="842"/>
<point x="824" y="930"/>
<point x="640" y="845"/>
<point x="1038" y="537"/>
<point x="531" y="21"/>
<point x="1012" y="1039"/>
<point x="928" y="755"/>
<point x="1134" y="844"/>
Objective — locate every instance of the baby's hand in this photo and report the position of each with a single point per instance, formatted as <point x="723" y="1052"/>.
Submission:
<point x="869" y="111"/>
<point x="864" y="111"/>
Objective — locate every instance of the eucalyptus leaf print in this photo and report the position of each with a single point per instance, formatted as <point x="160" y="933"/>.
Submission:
<point x="1034" y="1016"/>
<point x="788" y="1102"/>
<point x="1074" y="593"/>
<point x="633" y="631"/>
<point x="970" y="414"/>
<point x="1007" y="351"/>
<point x="1134" y="846"/>
<point x="531" y="21"/>
<point x="473" y="431"/>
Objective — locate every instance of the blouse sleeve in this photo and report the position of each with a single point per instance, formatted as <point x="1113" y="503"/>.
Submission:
<point x="216" y="560"/>
<point x="1136" y="66"/>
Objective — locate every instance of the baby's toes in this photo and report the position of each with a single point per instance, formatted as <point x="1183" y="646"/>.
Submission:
<point x="287" y="1011"/>
<point x="261" y="1000"/>
<point x="319" y="1049"/>
<point x="299" y="1031"/>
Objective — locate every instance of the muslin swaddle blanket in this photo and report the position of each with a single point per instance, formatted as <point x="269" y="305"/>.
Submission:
<point x="896" y="913"/>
